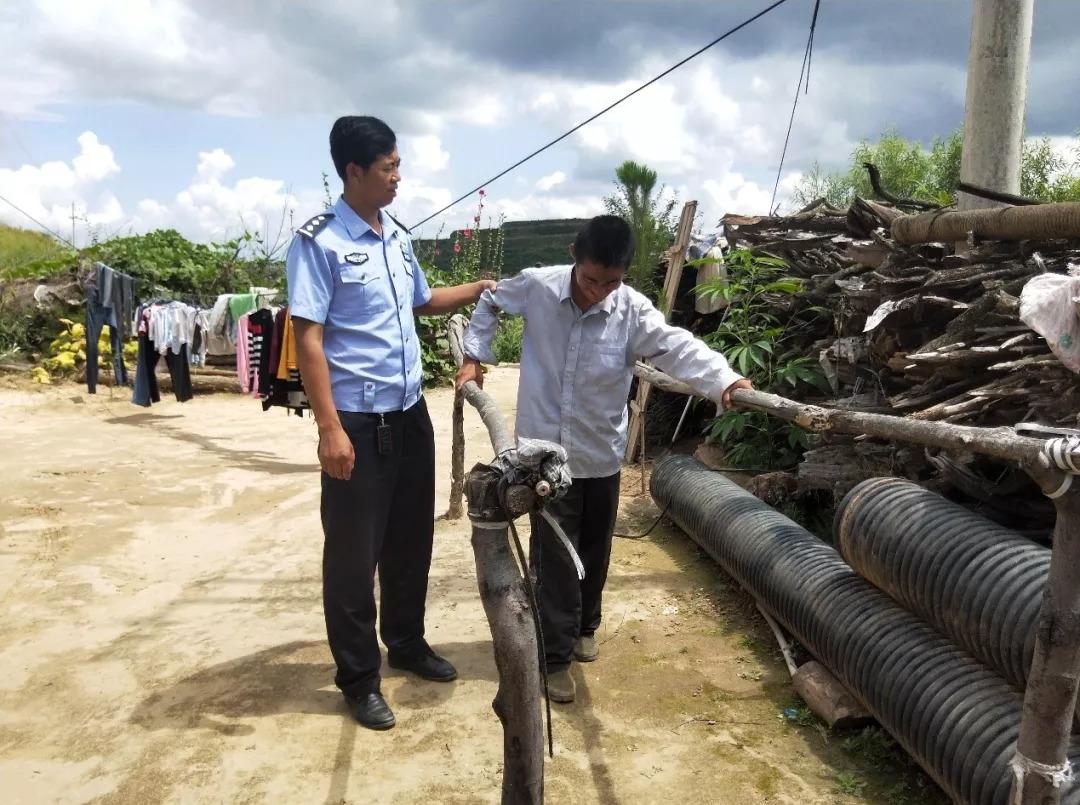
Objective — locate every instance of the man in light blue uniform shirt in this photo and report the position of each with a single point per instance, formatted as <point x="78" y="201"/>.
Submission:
<point x="583" y="331"/>
<point x="354" y="287"/>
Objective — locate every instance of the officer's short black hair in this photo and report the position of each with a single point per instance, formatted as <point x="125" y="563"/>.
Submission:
<point x="359" y="139"/>
<point x="607" y="240"/>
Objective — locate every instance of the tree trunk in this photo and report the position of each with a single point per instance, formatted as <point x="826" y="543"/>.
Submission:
<point x="457" y="459"/>
<point x="1050" y="698"/>
<point x="505" y="599"/>
<point x="1037" y="222"/>
<point x="517" y="702"/>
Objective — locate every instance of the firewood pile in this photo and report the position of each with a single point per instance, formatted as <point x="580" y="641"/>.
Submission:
<point x="925" y="331"/>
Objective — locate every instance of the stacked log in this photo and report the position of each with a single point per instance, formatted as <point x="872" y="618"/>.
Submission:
<point x="923" y="330"/>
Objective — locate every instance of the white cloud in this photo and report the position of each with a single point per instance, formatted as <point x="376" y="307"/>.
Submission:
<point x="551" y="180"/>
<point x="480" y="110"/>
<point x="712" y="129"/>
<point x="425" y="153"/>
<point x="212" y="207"/>
<point x="95" y="161"/>
<point x="733" y="192"/>
<point x="532" y="207"/>
<point x="214" y="164"/>
<point x="48" y="191"/>
<point x="417" y="200"/>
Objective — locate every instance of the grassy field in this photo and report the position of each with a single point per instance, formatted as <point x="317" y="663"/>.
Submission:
<point x="19" y="247"/>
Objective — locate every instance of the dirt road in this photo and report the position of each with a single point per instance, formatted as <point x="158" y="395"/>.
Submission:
<point x="162" y="636"/>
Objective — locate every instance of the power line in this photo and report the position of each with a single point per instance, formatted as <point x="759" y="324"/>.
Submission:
<point x="52" y="232"/>
<point x="585" y="122"/>
<point x="804" y="71"/>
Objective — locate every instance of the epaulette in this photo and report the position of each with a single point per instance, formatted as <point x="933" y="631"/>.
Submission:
<point x="401" y="225"/>
<point x="316" y="224"/>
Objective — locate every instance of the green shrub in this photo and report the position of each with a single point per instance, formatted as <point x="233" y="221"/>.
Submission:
<point x="507" y="342"/>
<point x="753" y="339"/>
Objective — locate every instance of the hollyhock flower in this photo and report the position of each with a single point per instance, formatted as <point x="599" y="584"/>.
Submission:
<point x="482" y="193"/>
<point x="467" y="233"/>
<point x="457" y="248"/>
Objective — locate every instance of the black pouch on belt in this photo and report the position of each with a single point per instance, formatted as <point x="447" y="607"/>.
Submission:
<point x="384" y="437"/>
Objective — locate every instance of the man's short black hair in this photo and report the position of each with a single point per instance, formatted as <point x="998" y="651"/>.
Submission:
<point x="359" y="139"/>
<point x="607" y="240"/>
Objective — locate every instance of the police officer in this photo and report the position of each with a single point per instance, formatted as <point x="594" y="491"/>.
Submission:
<point x="354" y="287"/>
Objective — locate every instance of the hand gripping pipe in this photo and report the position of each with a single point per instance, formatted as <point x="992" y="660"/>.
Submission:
<point x="955" y="716"/>
<point x="976" y="582"/>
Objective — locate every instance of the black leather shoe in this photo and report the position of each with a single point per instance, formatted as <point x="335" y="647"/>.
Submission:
<point x="426" y="664"/>
<point x="371" y="711"/>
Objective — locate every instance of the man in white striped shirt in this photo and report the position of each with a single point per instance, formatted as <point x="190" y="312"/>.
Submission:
<point x="584" y="329"/>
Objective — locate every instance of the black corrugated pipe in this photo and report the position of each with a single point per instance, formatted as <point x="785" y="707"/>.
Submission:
<point x="976" y="582"/>
<point x="954" y="715"/>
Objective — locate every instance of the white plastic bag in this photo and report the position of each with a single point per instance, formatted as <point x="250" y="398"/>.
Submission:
<point x="1050" y="305"/>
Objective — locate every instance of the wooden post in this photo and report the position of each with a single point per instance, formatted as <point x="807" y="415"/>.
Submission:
<point x="457" y="458"/>
<point x="517" y="701"/>
<point x="1050" y="698"/>
<point x="506" y="604"/>
<point x="676" y="259"/>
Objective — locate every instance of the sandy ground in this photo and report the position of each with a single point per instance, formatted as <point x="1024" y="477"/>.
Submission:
<point x="162" y="636"/>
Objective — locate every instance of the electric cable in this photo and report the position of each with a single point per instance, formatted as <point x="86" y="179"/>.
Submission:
<point x="803" y="72"/>
<point x="611" y="106"/>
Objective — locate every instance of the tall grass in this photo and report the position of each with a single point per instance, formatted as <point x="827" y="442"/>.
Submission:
<point x="21" y="247"/>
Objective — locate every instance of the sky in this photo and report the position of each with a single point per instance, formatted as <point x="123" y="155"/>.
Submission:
<point x="212" y="117"/>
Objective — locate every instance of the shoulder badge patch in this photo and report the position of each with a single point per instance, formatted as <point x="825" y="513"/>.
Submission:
<point x="356" y="258"/>
<point x="316" y="224"/>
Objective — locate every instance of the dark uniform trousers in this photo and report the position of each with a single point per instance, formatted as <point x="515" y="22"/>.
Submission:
<point x="570" y="608"/>
<point x="381" y="518"/>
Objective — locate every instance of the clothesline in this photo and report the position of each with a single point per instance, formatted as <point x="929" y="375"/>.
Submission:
<point x="246" y="326"/>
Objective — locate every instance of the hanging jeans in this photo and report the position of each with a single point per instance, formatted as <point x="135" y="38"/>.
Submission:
<point x="97" y="317"/>
<point x="146" y="385"/>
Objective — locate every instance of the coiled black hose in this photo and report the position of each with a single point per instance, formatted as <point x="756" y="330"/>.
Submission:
<point x="955" y="716"/>
<point x="973" y="580"/>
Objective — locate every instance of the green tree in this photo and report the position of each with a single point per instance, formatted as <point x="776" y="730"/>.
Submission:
<point x="909" y="170"/>
<point x="652" y="219"/>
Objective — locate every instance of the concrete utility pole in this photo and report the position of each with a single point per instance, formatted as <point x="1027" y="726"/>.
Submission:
<point x="996" y="97"/>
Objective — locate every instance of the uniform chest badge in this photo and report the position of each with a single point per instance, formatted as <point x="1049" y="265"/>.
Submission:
<point x="356" y="258"/>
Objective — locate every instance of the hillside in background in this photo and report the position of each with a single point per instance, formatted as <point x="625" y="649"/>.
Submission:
<point x="19" y="247"/>
<point x="526" y="244"/>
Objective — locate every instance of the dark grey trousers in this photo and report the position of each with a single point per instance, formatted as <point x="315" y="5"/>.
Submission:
<point x="570" y="608"/>
<point x="381" y="519"/>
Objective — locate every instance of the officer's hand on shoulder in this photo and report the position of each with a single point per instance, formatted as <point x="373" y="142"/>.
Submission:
<point x="485" y="285"/>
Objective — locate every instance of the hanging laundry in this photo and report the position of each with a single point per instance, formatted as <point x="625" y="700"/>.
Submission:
<point x="219" y="340"/>
<point x="241" y="303"/>
<point x="165" y="330"/>
<point x="243" y="364"/>
<point x="224" y="317"/>
<point x="260" y="339"/>
<point x="200" y="342"/>
<point x="109" y="301"/>
<point x="286" y="385"/>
